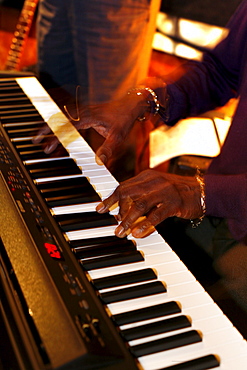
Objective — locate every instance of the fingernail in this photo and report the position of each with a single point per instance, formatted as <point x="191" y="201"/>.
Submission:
<point x="143" y="231"/>
<point x="101" y="160"/>
<point x="37" y="139"/>
<point x="120" y="232"/>
<point x="137" y="233"/>
<point x="47" y="149"/>
<point x="100" y="207"/>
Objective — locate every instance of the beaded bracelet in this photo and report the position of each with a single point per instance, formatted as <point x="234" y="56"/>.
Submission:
<point x="199" y="179"/>
<point x="154" y="103"/>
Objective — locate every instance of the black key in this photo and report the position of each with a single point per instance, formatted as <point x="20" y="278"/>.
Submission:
<point x="28" y="146"/>
<point x="70" y="193"/>
<point x="109" y="261"/>
<point x="54" y="168"/>
<point x="40" y="154"/>
<point x="164" y="344"/>
<point x="86" y="220"/>
<point x="10" y="88"/>
<point x="11" y="93"/>
<point x="19" y="142"/>
<point x="10" y="110"/>
<point x="70" y="199"/>
<point x="17" y="118"/>
<point x="201" y="363"/>
<point x="80" y="181"/>
<point x="14" y="99"/>
<point x="63" y="189"/>
<point x="7" y="87"/>
<point x="132" y="277"/>
<point x="158" y="327"/>
<point x="30" y="151"/>
<point x="137" y="291"/>
<point x="34" y="154"/>
<point x="110" y="240"/>
<point x="24" y="132"/>
<point x="104" y="249"/>
<point x="146" y="313"/>
<point x="24" y="125"/>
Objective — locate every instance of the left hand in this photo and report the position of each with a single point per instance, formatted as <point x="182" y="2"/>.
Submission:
<point x="113" y="121"/>
<point x="155" y="195"/>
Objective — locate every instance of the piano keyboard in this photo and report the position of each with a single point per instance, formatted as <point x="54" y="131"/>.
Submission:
<point x="161" y="313"/>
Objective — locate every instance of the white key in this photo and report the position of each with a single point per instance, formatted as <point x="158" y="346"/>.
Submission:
<point x="97" y="179"/>
<point x="83" y="155"/>
<point x="57" y="178"/>
<point x="90" y="166"/>
<point x="174" y="294"/>
<point x="88" y="158"/>
<point x="42" y="160"/>
<point x="219" y="336"/>
<point x="220" y="342"/>
<point x="75" y="208"/>
<point x="205" y="325"/>
<point x="150" y="261"/>
<point x="94" y="173"/>
<point x="91" y="233"/>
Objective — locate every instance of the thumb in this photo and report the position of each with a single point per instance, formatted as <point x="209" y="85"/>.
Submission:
<point x="105" y="151"/>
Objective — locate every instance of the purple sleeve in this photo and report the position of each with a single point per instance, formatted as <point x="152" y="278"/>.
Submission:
<point x="205" y="86"/>
<point x="226" y="196"/>
<point x="212" y="82"/>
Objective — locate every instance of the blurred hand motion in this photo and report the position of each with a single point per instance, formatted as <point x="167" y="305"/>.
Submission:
<point x="112" y="120"/>
<point x="155" y="195"/>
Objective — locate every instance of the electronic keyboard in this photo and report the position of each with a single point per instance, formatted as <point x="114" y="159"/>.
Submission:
<point x="73" y="295"/>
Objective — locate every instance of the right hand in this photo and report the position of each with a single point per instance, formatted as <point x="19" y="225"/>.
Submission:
<point x="157" y="196"/>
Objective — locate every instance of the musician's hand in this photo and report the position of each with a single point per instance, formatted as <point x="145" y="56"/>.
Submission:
<point x="51" y="142"/>
<point x="155" y="195"/>
<point x="111" y="120"/>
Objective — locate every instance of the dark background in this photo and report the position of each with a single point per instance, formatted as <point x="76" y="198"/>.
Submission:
<point x="216" y="12"/>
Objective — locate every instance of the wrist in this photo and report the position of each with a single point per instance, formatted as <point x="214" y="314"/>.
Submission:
<point x="148" y="102"/>
<point x="200" y="180"/>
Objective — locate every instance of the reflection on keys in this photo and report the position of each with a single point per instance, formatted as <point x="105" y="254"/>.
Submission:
<point x="164" y="315"/>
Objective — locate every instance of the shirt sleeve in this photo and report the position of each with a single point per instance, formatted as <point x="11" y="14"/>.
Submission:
<point x="212" y="82"/>
<point x="226" y="197"/>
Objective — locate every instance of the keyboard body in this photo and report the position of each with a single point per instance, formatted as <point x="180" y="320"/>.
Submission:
<point x="64" y="305"/>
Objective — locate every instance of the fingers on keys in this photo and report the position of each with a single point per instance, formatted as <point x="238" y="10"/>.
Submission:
<point x="132" y="220"/>
<point x="51" y="142"/>
<point x="45" y="130"/>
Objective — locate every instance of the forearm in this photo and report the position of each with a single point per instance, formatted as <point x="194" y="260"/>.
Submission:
<point x="211" y="83"/>
<point x="203" y="87"/>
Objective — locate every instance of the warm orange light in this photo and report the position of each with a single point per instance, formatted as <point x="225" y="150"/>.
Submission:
<point x="196" y="34"/>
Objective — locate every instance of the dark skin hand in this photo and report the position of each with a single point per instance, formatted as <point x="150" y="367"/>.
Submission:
<point x="155" y="195"/>
<point x="152" y="194"/>
<point x="112" y="120"/>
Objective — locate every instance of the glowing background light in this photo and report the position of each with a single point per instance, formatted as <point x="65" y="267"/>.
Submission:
<point x="174" y="34"/>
